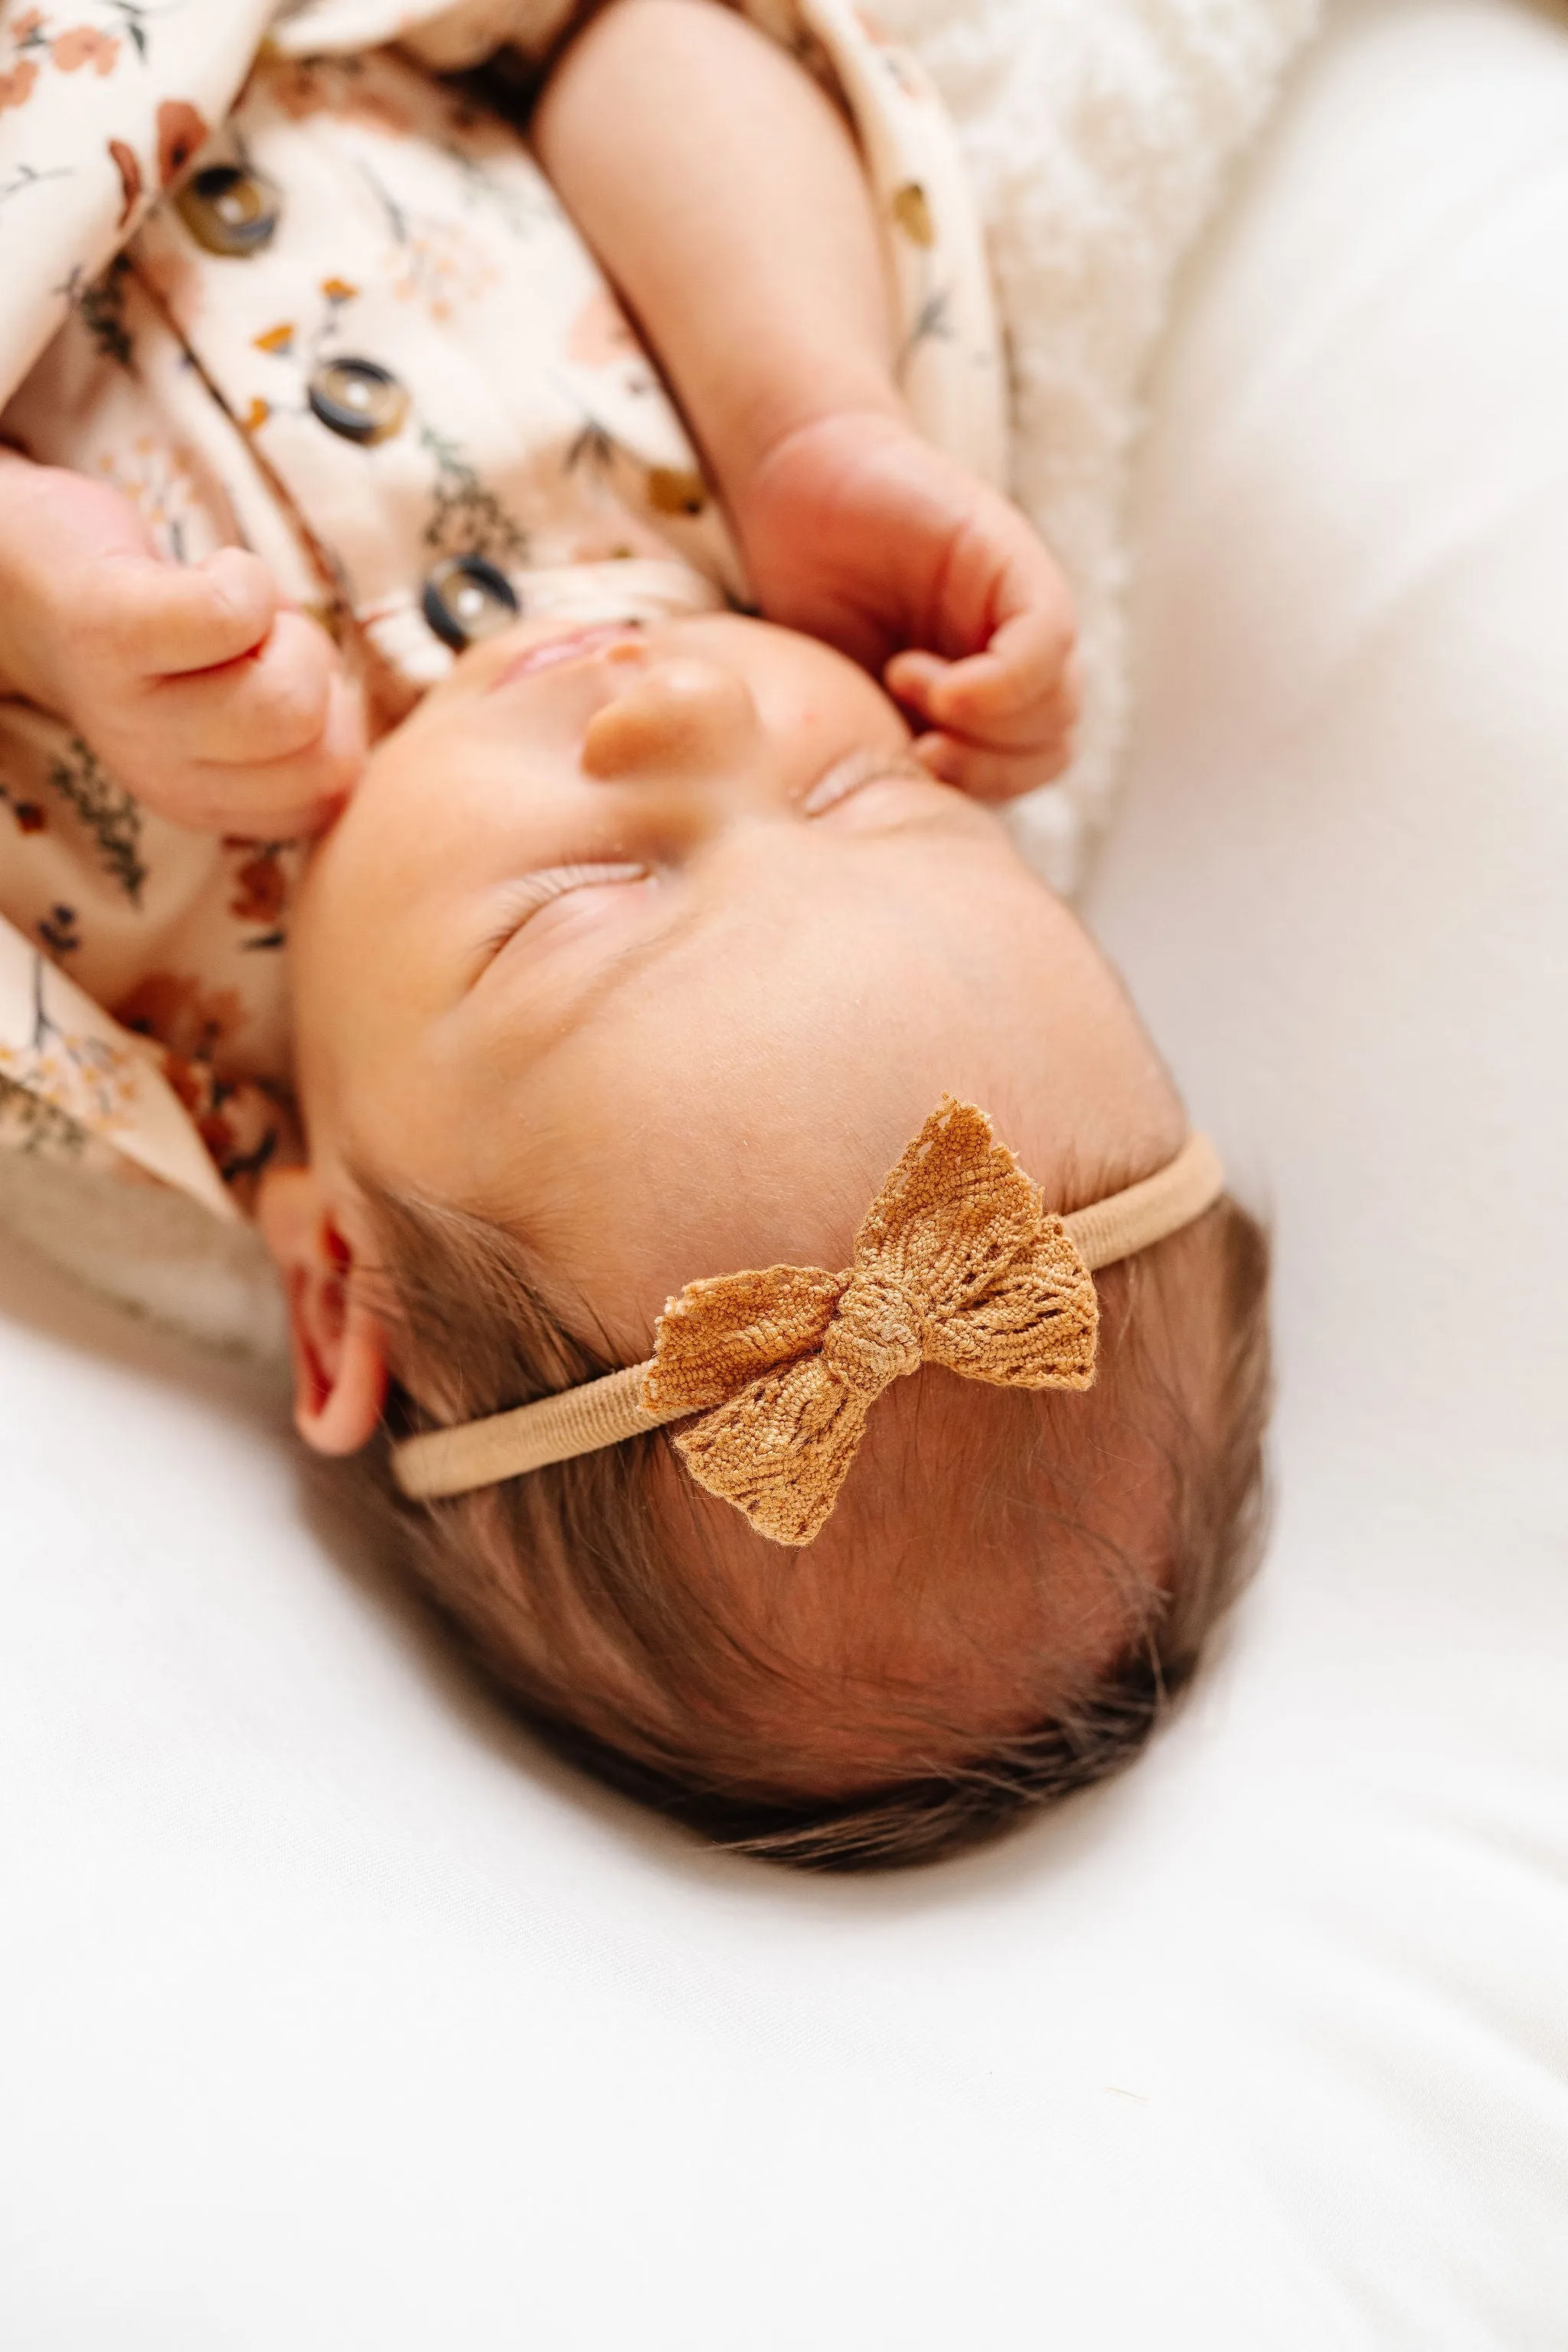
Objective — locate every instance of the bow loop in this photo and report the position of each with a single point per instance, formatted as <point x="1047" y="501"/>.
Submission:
<point x="953" y="1214"/>
<point x="752" y="1451"/>
<point x="717" y="1335"/>
<point x="956" y="1263"/>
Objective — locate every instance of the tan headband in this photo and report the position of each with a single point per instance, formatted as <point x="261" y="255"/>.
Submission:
<point x="958" y="1262"/>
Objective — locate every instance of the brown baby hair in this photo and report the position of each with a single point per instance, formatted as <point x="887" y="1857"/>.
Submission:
<point x="591" y="1592"/>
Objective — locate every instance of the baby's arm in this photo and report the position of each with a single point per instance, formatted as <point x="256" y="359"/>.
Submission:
<point x="200" y="695"/>
<point x="724" y="194"/>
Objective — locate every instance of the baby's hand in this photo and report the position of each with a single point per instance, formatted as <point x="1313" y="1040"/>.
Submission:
<point x="857" y="531"/>
<point x="200" y="693"/>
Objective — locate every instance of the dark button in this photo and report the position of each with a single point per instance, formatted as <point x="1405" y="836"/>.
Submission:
<point x="230" y="211"/>
<point x="358" y="399"/>
<point x="465" y="599"/>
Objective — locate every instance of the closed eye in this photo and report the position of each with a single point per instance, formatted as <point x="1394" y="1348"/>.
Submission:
<point x="857" y="769"/>
<point x="534" y="892"/>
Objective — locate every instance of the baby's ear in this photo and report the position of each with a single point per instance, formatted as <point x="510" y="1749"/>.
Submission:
<point x="337" y="1344"/>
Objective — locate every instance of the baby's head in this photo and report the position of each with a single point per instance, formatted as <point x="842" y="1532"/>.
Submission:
<point x="639" y="956"/>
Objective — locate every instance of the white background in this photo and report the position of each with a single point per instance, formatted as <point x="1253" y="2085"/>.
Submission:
<point x="335" y="2018"/>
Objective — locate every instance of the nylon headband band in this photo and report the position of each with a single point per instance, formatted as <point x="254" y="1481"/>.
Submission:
<point x="442" y="1461"/>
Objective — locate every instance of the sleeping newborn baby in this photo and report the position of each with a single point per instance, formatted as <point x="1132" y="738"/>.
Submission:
<point x="738" y="1232"/>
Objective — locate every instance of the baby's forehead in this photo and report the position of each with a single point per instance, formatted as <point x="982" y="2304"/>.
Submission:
<point x="746" y="1116"/>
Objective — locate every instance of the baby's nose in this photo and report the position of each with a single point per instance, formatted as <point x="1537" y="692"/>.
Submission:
<point x="681" y="718"/>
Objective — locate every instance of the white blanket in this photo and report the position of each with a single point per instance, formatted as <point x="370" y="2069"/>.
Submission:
<point x="334" y="2018"/>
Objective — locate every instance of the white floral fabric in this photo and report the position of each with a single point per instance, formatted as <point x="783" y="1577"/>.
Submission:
<point x="286" y="289"/>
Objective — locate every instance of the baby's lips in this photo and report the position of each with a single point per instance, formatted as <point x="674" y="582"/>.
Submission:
<point x="560" y="647"/>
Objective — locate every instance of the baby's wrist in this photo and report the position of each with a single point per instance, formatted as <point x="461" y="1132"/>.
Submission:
<point x="799" y="436"/>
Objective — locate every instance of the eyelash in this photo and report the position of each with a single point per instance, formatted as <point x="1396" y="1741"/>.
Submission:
<point x="844" y="778"/>
<point x="856" y="769"/>
<point x="542" y="889"/>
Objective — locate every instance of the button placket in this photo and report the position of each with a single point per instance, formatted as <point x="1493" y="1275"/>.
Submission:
<point x="230" y="210"/>
<point x="465" y="599"/>
<point x="358" y="399"/>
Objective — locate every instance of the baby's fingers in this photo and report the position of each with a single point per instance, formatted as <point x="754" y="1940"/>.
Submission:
<point x="989" y="776"/>
<point x="1001" y="755"/>
<point x="285" y="798"/>
<point x="145" y="619"/>
<point x="269" y="744"/>
<point x="270" y="705"/>
<point x="1007" y="696"/>
<point x="993" y="694"/>
<point x="1000" y="772"/>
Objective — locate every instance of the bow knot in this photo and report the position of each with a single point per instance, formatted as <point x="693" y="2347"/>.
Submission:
<point x="957" y="1264"/>
<point x="875" y="1337"/>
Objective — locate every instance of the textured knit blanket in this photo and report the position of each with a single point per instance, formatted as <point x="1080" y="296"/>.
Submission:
<point x="1100" y="134"/>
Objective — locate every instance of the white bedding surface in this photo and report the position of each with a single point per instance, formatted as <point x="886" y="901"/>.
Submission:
<point x="335" y="2018"/>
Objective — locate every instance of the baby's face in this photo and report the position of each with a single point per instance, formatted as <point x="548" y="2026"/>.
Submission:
<point x="658" y="945"/>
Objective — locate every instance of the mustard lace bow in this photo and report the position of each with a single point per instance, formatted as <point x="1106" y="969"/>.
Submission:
<point x="958" y="1262"/>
